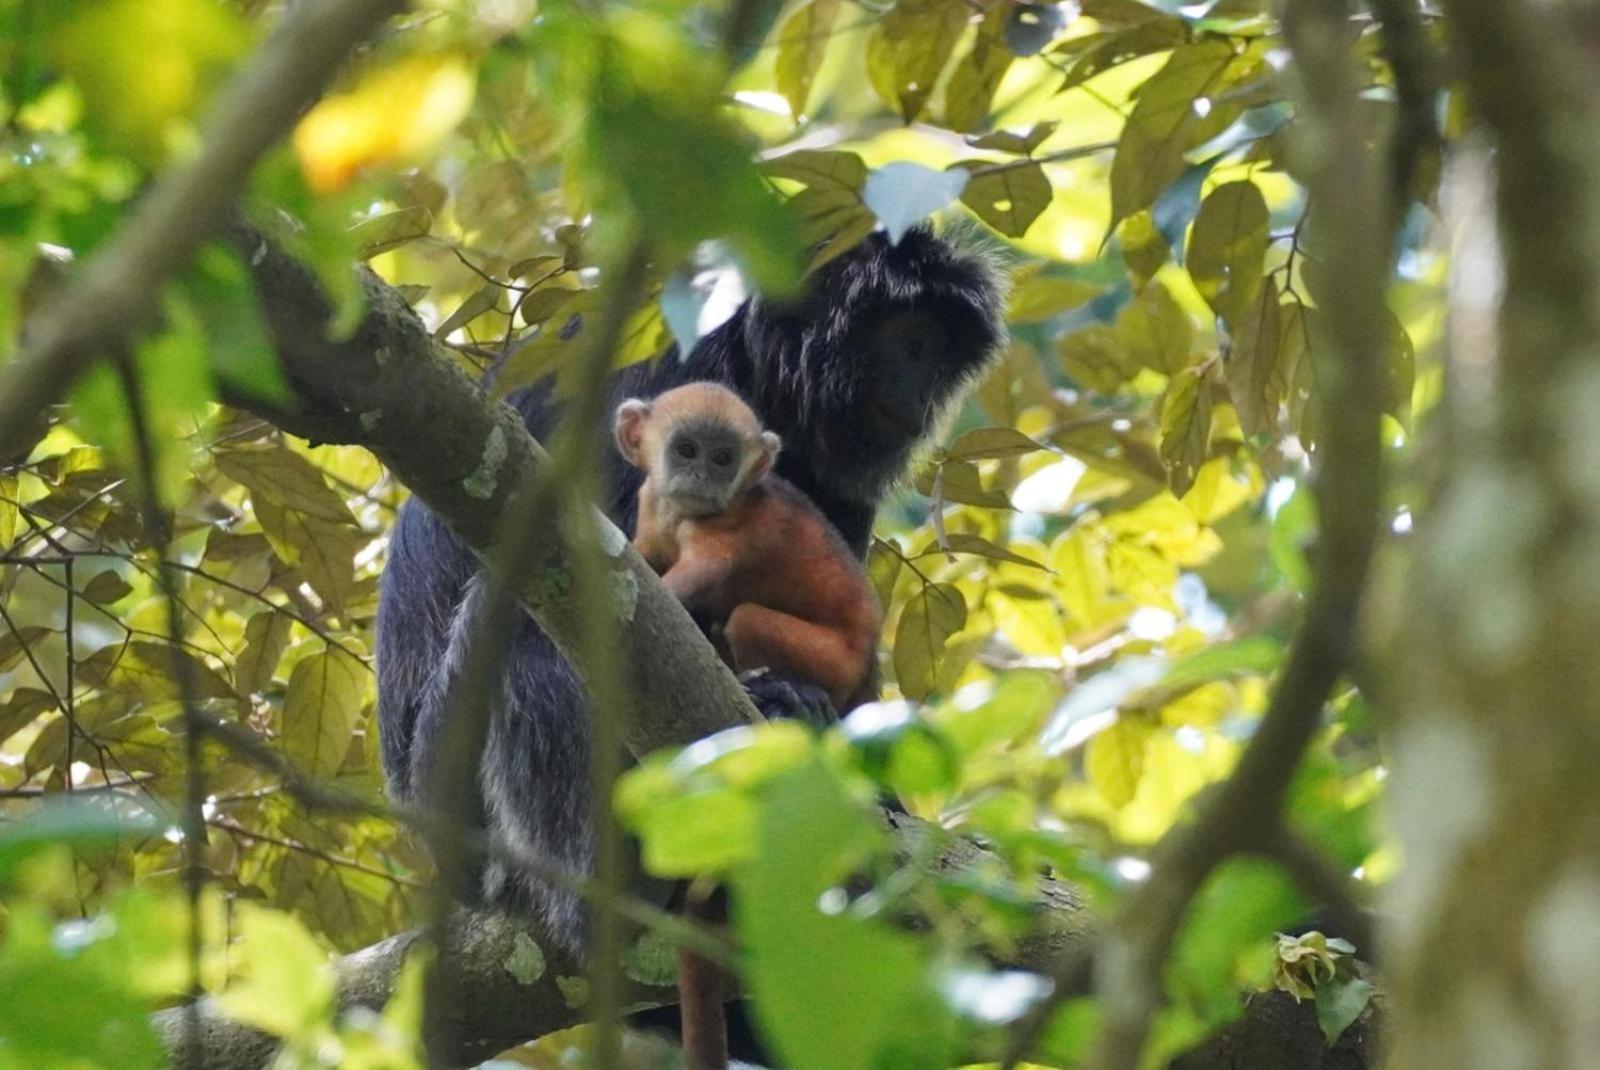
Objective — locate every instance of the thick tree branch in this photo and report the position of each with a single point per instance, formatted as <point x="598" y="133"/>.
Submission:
<point x="119" y="285"/>
<point x="392" y="389"/>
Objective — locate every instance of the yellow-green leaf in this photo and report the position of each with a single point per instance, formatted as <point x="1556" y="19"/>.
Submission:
<point x="1185" y="428"/>
<point x="909" y="48"/>
<point x="1251" y="365"/>
<point x="321" y="711"/>
<point x="802" y="44"/>
<point x="1157" y="331"/>
<point x="266" y="637"/>
<point x="1114" y="760"/>
<point x="969" y="94"/>
<point x="284" y="478"/>
<point x="1008" y="197"/>
<point x="1227" y="248"/>
<point x="929" y="619"/>
<point x="1180" y="106"/>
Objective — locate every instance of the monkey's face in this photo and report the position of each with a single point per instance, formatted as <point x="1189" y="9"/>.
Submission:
<point x="703" y="467"/>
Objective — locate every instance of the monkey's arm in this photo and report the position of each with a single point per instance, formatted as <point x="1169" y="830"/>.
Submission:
<point x="699" y="582"/>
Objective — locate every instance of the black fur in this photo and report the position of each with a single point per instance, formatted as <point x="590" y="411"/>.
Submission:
<point x="852" y="377"/>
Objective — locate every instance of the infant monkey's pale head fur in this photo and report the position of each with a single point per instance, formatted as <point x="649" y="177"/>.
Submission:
<point x="699" y="445"/>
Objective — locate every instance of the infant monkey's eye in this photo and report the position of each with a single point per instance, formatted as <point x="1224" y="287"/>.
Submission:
<point x="684" y="449"/>
<point x="722" y="457"/>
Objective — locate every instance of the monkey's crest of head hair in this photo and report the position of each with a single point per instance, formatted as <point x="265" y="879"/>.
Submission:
<point x="865" y="367"/>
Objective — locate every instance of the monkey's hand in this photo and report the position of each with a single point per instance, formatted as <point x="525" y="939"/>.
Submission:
<point x="778" y="695"/>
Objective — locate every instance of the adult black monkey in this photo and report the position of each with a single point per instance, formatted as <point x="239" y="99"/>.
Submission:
<point x="852" y="376"/>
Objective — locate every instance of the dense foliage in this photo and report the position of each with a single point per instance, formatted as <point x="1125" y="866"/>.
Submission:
<point x="1089" y="588"/>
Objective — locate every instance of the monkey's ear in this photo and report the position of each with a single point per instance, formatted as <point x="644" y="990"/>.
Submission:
<point x="770" y="443"/>
<point x="632" y="415"/>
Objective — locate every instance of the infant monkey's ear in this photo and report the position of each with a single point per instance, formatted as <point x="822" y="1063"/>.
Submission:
<point x="632" y="417"/>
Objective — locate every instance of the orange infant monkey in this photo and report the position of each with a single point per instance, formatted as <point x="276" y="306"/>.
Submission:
<point x="740" y="546"/>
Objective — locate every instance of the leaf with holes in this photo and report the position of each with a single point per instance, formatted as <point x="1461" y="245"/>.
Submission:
<point x="1228" y="248"/>
<point x="1007" y="197"/>
<point x="321" y="711"/>
<point x="1178" y="108"/>
<point x="1185" y="428"/>
<point x="802" y="44"/>
<point x="927" y="622"/>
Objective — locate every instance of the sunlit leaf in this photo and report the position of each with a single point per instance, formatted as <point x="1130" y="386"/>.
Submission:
<point x="802" y="44"/>
<point x="1114" y="760"/>
<point x="288" y="982"/>
<point x="1185" y="427"/>
<point x="910" y="47"/>
<point x="1157" y="331"/>
<point x="390" y="115"/>
<point x="969" y="94"/>
<point x="1182" y="105"/>
<point x="1008" y="197"/>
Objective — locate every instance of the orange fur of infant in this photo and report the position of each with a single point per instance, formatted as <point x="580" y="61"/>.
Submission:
<point x="762" y="559"/>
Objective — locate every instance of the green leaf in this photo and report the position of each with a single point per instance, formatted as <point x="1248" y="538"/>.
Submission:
<point x="1228" y="248"/>
<point x="1097" y="53"/>
<point x="1340" y="1002"/>
<point x="876" y="981"/>
<point x="1144" y="249"/>
<point x="284" y="478"/>
<point x="1158" y="332"/>
<point x="961" y="542"/>
<point x="908" y="50"/>
<point x="929" y="619"/>
<point x="1251" y="364"/>
<point x="992" y="443"/>
<point x="1036" y="297"/>
<point x="1178" y="108"/>
<point x="321" y="711"/>
<point x="1114" y="760"/>
<point x="1021" y="144"/>
<point x="1293" y="528"/>
<point x="324" y="551"/>
<point x="391" y="230"/>
<point x="959" y="481"/>
<point x="482" y="300"/>
<point x="802" y="44"/>
<point x="1006" y="196"/>
<point x="705" y="831"/>
<point x="106" y="587"/>
<point x="526" y="962"/>
<point x="1097" y="357"/>
<point x="1185" y="428"/>
<point x="1258" y="655"/>
<point x="266" y="637"/>
<point x="16" y="644"/>
<point x="78" y="822"/>
<point x="288" y="983"/>
<point x="9" y="510"/>
<point x="219" y="289"/>
<point x="818" y="169"/>
<point x="969" y="94"/>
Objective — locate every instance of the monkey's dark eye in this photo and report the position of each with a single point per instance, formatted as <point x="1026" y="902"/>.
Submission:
<point x="685" y="449"/>
<point x="722" y="458"/>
